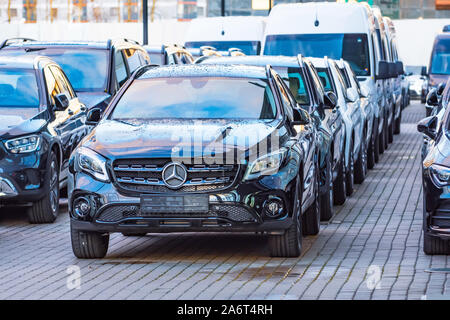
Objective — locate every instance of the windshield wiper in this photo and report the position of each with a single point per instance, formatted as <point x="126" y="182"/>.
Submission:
<point x="33" y="49"/>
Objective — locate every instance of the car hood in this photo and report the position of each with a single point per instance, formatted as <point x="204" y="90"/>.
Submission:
<point x="435" y="79"/>
<point x="19" y="121"/>
<point x="94" y="99"/>
<point x="178" y="138"/>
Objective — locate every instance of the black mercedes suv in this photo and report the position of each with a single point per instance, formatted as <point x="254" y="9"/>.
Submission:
<point x="197" y="148"/>
<point x="304" y="83"/>
<point x="41" y="122"/>
<point x="96" y="69"/>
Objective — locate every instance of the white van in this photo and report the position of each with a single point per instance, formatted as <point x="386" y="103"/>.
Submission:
<point x="339" y="31"/>
<point x="224" y="33"/>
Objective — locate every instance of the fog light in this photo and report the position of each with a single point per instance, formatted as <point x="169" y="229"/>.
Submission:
<point x="81" y="207"/>
<point x="273" y="207"/>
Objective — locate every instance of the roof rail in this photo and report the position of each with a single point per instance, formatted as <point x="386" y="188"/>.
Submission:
<point x="9" y="41"/>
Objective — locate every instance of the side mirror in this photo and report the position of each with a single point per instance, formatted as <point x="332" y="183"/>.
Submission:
<point x="440" y="89"/>
<point x="383" y="70"/>
<point x="61" y="102"/>
<point x="400" y="69"/>
<point x="300" y="117"/>
<point x="424" y="71"/>
<point x="392" y="66"/>
<point x="364" y="92"/>
<point x="428" y="126"/>
<point x="330" y="100"/>
<point x="352" y="95"/>
<point x="93" y="117"/>
<point x="432" y="98"/>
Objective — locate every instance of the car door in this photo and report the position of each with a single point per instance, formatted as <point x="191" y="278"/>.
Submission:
<point x="334" y="119"/>
<point x="68" y="124"/>
<point x="305" y="140"/>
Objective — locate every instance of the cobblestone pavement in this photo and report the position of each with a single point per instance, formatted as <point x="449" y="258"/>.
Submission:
<point x="375" y="235"/>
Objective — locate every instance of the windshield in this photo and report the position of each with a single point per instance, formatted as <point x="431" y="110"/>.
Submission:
<point x="87" y="69"/>
<point x="440" y="61"/>
<point x="18" y="88"/>
<point x="247" y="47"/>
<point x="351" y="47"/>
<point x="197" y="98"/>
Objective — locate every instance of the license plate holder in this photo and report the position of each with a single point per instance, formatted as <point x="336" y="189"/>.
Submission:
<point x="151" y="204"/>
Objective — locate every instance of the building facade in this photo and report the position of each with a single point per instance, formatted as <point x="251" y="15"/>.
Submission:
<point x="79" y="11"/>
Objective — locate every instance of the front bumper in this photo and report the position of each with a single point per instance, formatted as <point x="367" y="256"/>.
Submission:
<point x="236" y="209"/>
<point x="437" y="209"/>
<point x="22" y="176"/>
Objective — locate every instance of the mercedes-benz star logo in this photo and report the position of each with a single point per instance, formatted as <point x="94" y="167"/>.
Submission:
<point x="174" y="175"/>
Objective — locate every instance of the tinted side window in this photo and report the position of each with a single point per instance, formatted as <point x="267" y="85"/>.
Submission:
<point x="287" y="102"/>
<point x="52" y="86"/>
<point x="62" y="82"/>
<point x="133" y="59"/>
<point x="120" y="68"/>
<point x="318" y="85"/>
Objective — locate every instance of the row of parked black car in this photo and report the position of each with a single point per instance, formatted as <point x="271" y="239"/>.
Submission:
<point x="239" y="143"/>
<point x="436" y="170"/>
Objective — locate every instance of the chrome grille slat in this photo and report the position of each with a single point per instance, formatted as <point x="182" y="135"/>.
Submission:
<point x="143" y="175"/>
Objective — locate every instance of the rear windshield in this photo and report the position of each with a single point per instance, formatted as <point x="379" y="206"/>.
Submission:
<point x="197" y="98"/>
<point x="352" y="47"/>
<point x="247" y="47"/>
<point x="440" y="60"/>
<point x="18" y="88"/>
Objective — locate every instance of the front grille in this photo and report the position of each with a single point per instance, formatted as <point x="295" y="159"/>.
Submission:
<point x="233" y="212"/>
<point x="145" y="175"/>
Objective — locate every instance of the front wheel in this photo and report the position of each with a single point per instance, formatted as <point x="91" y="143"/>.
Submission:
<point x="340" y="190"/>
<point x="397" y="124"/>
<point x="326" y="199"/>
<point x="289" y="244"/>
<point x="47" y="209"/>
<point x="311" y="218"/>
<point x="89" y="245"/>
<point x="350" y="176"/>
<point x="361" y="163"/>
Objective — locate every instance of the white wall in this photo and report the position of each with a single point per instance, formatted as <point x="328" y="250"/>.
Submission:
<point x="415" y="39"/>
<point x="161" y="31"/>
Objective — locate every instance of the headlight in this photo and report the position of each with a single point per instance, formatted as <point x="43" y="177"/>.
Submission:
<point x="23" y="145"/>
<point x="440" y="175"/>
<point x="92" y="163"/>
<point x="265" y="165"/>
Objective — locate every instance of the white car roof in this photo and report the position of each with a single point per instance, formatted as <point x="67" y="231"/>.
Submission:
<point x="295" y="18"/>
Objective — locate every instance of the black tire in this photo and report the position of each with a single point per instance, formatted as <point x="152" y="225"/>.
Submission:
<point x="350" y="174"/>
<point x="386" y="136"/>
<point x="376" y="150"/>
<point x="47" y="209"/>
<point x="361" y="163"/>
<point x="289" y="244"/>
<point x="391" y="130"/>
<point x="371" y="151"/>
<point x="435" y="246"/>
<point x="89" y="245"/>
<point x="381" y="141"/>
<point x="326" y="199"/>
<point x="398" y="121"/>
<point x="340" y="188"/>
<point x="311" y="218"/>
<point x="134" y="234"/>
